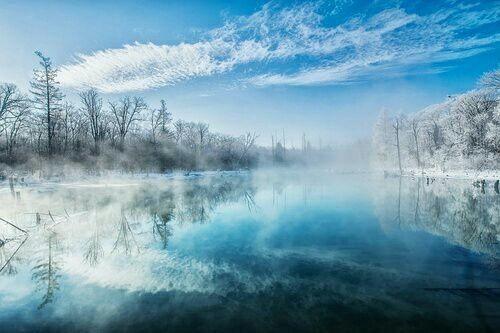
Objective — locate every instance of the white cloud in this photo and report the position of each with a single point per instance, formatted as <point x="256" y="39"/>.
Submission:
<point x="360" y="48"/>
<point x="140" y="66"/>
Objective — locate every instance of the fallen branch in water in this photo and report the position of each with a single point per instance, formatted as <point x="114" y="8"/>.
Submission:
<point x="13" y="254"/>
<point x="13" y="225"/>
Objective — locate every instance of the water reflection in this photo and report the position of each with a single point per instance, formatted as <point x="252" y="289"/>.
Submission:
<point x="233" y="248"/>
<point x="45" y="273"/>
<point x="455" y="210"/>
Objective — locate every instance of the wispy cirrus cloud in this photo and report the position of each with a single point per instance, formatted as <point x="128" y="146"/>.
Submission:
<point x="390" y="41"/>
<point x="140" y="66"/>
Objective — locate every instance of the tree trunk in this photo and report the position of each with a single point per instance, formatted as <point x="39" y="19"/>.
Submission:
<point x="398" y="146"/>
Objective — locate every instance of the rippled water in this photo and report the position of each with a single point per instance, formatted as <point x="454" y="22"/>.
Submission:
<point x="241" y="252"/>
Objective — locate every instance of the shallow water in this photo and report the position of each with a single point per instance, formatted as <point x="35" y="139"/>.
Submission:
<point x="251" y="253"/>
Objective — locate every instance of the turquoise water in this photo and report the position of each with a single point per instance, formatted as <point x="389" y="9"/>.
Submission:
<point x="251" y="253"/>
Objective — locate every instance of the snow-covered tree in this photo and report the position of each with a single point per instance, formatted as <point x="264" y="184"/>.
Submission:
<point x="383" y="142"/>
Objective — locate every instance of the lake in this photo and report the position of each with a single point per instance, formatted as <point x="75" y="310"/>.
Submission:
<point x="250" y="252"/>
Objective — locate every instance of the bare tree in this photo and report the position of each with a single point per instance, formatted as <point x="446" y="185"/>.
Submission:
<point x="47" y="95"/>
<point x="92" y="107"/>
<point x="179" y="130"/>
<point x="382" y="138"/>
<point x="63" y="125"/>
<point x="398" y="124"/>
<point x="10" y="98"/>
<point x="202" y="133"/>
<point x="415" y="131"/>
<point x="248" y="143"/>
<point x="126" y="113"/>
<point x="15" y="122"/>
<point x="155" y="123"/>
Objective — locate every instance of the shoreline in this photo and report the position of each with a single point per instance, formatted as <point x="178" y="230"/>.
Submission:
<point x="488" y="175"/>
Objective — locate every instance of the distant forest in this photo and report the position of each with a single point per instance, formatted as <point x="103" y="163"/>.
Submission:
<point x="41" y="128"/>
<point x="461" y="133"/>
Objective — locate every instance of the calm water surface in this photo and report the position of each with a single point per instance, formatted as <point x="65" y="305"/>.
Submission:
<point x="250" y="253"/>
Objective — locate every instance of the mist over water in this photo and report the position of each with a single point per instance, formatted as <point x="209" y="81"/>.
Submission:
<point x="237" y="166"/>
<point x="260" y="251"/>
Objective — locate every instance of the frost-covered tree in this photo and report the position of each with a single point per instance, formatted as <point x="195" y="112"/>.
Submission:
<point x="471" y="115"/>
<point x="463" y="132"/>
<point x="491" y="80"/>
<point x="383" y="140"/>
<point x="414" y="130"/>
<point x="398" y="126"/>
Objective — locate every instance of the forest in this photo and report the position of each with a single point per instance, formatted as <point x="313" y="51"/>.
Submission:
<point x="42" y="128"/>
<point x="461" y="133"/>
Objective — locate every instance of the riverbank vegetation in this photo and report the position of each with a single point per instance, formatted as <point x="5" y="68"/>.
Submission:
<point x="43" y="128"/>
<point x="461" y="133"/>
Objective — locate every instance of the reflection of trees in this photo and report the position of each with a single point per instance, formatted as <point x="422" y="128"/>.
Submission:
<point x="94" y="251"/>
<point x="416" y="217"/>
<point x="461" y="214"/>
<point x="250" y="201"/>
<point x="125" y="238"/>
<point x="193" y="201"/>
<point x="124" y="221"/>
<point x="162" y="227"/>
<point x="46" y="272"/>
<point x="397" y="219"/>
<point x="197" y="201"/>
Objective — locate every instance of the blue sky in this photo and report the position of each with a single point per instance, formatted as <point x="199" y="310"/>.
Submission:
<point x="325" y="68"/>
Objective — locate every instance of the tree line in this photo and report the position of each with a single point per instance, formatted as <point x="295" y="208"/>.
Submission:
<point x="461" y="133"/>
<point x="42" y="126"/>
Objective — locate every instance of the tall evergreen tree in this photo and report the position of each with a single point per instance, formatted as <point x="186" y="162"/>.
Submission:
<point x="47" y="96"/>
